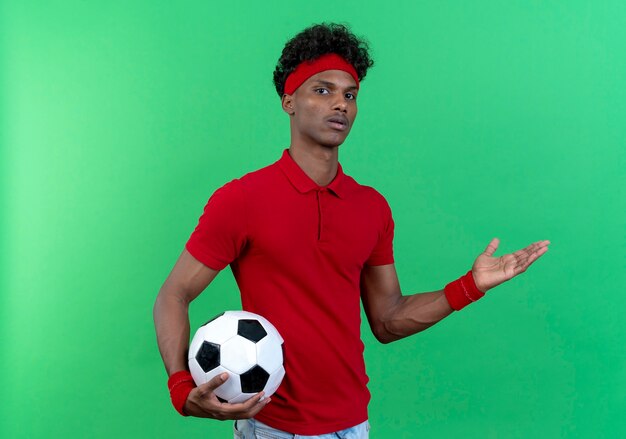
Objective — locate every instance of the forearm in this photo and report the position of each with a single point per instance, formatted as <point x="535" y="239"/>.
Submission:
<point x="412" y="314"/>
<point x="171" y="320"/>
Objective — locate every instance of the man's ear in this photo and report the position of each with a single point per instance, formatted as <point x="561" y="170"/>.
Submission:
<point x="287" y="101"/>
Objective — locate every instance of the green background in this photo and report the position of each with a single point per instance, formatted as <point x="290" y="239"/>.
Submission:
<point x="119" y="119"/>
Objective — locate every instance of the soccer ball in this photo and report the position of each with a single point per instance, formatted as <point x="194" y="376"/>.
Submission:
<point x="244" y="344"/>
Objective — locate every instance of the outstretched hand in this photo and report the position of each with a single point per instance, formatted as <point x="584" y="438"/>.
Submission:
<point x="490" y="271"/>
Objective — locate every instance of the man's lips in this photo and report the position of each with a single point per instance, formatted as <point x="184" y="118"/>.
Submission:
<point x="338" y="122"/>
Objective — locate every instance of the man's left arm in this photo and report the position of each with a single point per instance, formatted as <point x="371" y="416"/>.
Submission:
<point x="393" y="316"/>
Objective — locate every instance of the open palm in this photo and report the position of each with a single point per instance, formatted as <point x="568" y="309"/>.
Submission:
<point x="490" y="271"/>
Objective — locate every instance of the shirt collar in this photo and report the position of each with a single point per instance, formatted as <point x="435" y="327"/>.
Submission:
<point x="303" y="183"/>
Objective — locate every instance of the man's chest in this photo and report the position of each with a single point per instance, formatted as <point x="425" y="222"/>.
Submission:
<point x="317" y="224"/>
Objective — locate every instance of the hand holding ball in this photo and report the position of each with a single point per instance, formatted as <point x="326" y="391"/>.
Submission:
<point x="246" y="346"/>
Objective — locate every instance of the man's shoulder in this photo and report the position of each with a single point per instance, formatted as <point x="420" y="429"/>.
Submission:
<point x="252" y="181"/>
<point x="267" y="172"/>
<point x="364" y="191"/>
<point x="259" y="180"/>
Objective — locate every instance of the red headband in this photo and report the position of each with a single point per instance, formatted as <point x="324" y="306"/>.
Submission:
<point x="306" y="69"/>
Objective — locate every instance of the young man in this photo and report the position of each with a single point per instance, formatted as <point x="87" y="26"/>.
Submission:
<point x="306" y="243"/>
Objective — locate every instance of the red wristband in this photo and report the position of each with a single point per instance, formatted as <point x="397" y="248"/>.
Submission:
<point x="462" y="292"/>
<point x="180" y="385"/>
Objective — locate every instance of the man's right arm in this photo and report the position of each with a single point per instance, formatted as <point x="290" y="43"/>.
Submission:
<point x="188" y="279"/>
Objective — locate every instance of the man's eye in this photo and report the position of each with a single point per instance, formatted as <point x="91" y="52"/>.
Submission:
<point x="321" y="91"/>
<point x="351" y="96"/>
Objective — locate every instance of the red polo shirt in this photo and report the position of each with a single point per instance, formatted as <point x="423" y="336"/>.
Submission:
<point x="297" y="250"/>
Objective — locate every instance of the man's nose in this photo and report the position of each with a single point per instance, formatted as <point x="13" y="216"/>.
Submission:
<point x="340" y="104"/>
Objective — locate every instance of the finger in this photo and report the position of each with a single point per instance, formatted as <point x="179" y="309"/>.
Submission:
<point x="492" y="247"/>
<point x="524" y="258"/>
<point x="535" y="250"/>
<point x="243" y="406"/>
<point x="536" y="246"/>
<point x="214" y="383"/>
<point x="525" y="253"/>
<point x="243" y="409"/>
<point x="258" y="407"/>
<point x="251" y="413"/>
<point x="252" y="401"/>
<point x="535" y="255"/>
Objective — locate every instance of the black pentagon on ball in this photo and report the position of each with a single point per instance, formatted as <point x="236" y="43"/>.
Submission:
<point x="254" y="380"/>
<point x="251" y="329"/>
<point x="208" y="356"/>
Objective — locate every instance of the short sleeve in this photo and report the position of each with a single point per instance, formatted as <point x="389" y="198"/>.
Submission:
<point x="383" y="251"/>
<point x="220" y="234"/>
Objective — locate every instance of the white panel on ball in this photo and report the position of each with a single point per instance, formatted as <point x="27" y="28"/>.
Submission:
<point x="269" y="353"/>
<point x="242" y="398"/>
<point x="219" y="330"/>
<point x="238" y="354"/>
<point x="242" y="315"/>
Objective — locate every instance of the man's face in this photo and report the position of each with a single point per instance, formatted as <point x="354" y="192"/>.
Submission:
<point x="323" y="108"/>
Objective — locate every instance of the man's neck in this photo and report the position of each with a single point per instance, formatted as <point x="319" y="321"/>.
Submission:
<point x="319" y="163"/>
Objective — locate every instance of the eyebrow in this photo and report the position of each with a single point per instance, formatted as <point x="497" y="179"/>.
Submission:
<point x="333" y="85"/>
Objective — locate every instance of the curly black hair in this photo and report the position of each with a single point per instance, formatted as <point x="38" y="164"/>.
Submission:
<point x="318" y="40"/>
